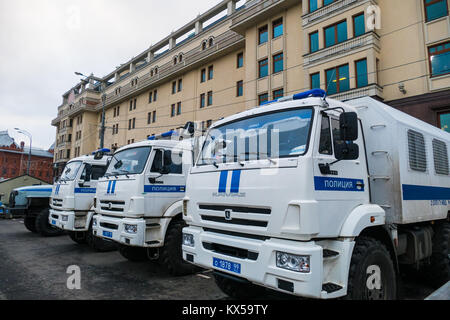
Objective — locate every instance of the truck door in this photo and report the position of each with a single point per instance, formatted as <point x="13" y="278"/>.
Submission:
<point x="87" y="185"/>
<point x="165" y="182"/>
<point x="337" y="192"/>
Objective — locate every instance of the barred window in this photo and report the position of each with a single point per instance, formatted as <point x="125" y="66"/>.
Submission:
<point x="417" y="152"/>
<point x="440" y="152"/>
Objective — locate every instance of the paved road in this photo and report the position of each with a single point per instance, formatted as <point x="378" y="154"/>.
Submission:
<point x="32" y="267"/>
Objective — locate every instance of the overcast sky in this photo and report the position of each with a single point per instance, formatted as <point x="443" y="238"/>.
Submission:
<point x="43" y="42"/>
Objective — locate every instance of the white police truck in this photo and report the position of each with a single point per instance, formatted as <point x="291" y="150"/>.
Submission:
<point x="72" y="199"/>
<point x="318" y="198"/>
<point x="139" y="201"/>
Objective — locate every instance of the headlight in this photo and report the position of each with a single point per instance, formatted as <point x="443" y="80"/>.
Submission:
<point x="188" y="240"/>
<point x="65" y="218"/>
<point x="94" y="222"/>
<point x="130" y="228"/>
<point x="293" y="262"/>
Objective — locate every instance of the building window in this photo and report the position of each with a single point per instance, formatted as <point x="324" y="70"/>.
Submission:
<point x="313" y="5"/>
<point x="131" y="105"/>
<point x="175" y="60"/>
<point x="204" y="45"/>
<point x="361" y="73"/>
<point x="278" y="63"/>
<point x="180" y="85"/>
<point x="315" y="80"/>
<point x="263" y="68"/>
<point x="203" y="75"/>
<point x="277" y="28"/>
<point x="149" y="118"/>
<point x="210" y="98"/>
<point x="435" y="9"/>
<point x="155" y="95"/>
<point x="327" y="2"/>
<point x="262" y="98"/>
<point x="417" y="151"/>
<point x="240" y="60"/>
<point x="202" y="100"/>
<point x="240" y="88"/>
<point x="444" y="121"/>
<point x="314" y="42"/>
<point x="135" y="103"/>
<point x="440" y="59"/>
<point x="278" y="94"/>
<point x="114" y="113"/>
<point x="359" y="25"/>
<point x="210" y="72"/>
<point x="337" y="79"/>
<point x="172" y="111"/>
<point x="154" y="116"/>
<point x="336" y="33"/>
<point x="174" y="87"/>
<point x="263" y="35"/>
<point x="211" y="42"/>
<point x="129" y="124"/>
<point x="178" y="108"/>
<point x="150" y="97"/>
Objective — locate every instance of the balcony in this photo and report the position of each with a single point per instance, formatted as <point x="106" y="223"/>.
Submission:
<point x="368" y="40"/>
<point x="372" y="90"/>
<point x="224" y="43"/>
<point x="331" y="9"/>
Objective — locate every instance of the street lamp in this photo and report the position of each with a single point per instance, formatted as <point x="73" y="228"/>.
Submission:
<point x="24" y="132"/>
<point x="103" y="87"/>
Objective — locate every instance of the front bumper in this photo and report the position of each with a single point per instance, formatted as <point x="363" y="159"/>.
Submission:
<point x="71" y="222"/>
<point x="262" y="270"/>
<point x="113" y="228"/>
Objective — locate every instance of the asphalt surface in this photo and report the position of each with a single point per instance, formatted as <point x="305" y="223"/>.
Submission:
<point x="35" y="268"/>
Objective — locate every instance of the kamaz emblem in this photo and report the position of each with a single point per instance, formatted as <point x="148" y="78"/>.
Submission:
<point x="228" y="215"/>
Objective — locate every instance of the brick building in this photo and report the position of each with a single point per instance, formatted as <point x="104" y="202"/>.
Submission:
<point x="14" y="160"/>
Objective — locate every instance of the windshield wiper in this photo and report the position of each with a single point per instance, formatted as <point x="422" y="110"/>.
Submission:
<point x="213" y="160"/>
<point x="258" y="154"/>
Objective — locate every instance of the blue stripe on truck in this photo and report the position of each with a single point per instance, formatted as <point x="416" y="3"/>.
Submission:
<point x="412" y="192"/>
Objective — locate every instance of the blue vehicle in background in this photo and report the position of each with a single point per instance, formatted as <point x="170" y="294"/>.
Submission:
<point x="33" y="203"/>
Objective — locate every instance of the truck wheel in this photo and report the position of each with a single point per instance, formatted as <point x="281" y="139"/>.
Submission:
<point x="171" y="255"/>
<point x="97" y="243"/>
<point x="43" y="227"/>
<point x="372" y="275"/>
<point x="78" y="236"/>
<point x="239" y="290"/>
<point x="133" y="254"/>
<point x="438" y="272"/>
<point x="30" y="223"/>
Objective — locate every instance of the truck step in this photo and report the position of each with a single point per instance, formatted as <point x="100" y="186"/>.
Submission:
<point x="329" y="253"/>
<point x="331" y="287"/>
<point x="153" y="225"/>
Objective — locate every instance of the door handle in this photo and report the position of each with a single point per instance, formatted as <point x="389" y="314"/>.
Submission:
<point x="153" y="181"/>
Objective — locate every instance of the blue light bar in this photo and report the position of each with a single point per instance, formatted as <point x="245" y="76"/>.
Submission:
<point x="104" y="150"/>
<point x="163" y="135"/>
<point x="318" y="93"/>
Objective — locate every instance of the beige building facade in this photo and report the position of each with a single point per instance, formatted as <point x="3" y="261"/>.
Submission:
<point x="240" y="54"/>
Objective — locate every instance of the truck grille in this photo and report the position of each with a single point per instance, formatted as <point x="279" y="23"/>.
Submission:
<point x="231" y="251"/>
<point x="109" y="226"/>
<point x="57" y="202"/>
<point x="236" y="209"/>
<point x="236" y="221"/>
<point x="112" y="206"/>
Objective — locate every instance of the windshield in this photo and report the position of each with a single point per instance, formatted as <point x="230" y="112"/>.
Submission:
<point x="130" y="161"/>
<point x="273" y="135"/>
<point x="71" y="170"/>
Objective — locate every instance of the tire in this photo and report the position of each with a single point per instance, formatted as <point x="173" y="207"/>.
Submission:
<point x="239" y="290"/>
<point x="171" y="255"/>
<point x="133" y="254"/>
<point x="438" y="272"/>
<point x="43" y="227"/>
<point x="362" y="282"/>
<point x="78" y="237"/>
<point x="30" y="223"/>
<point x="97" y="243"/>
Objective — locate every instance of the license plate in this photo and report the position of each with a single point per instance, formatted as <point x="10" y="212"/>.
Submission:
<point x="1" y="210"/>
<point x="227" y="265"/>
<point x="54" y="222"/>
<point x="107" y="234"/>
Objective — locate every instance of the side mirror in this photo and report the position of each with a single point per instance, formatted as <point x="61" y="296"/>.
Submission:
<point x="348" y="123"/>
<point x="165" y="170"/>
<point x="99" y="155"/>
<point x="346" y="151"/>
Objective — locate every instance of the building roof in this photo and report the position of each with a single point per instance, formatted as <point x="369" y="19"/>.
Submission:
<point x="6" y="140"/>
<point x="34" y="152"/>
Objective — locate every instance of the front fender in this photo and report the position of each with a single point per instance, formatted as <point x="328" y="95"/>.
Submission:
<point x="173" y="211"/>
<point x="362" y="217"/>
